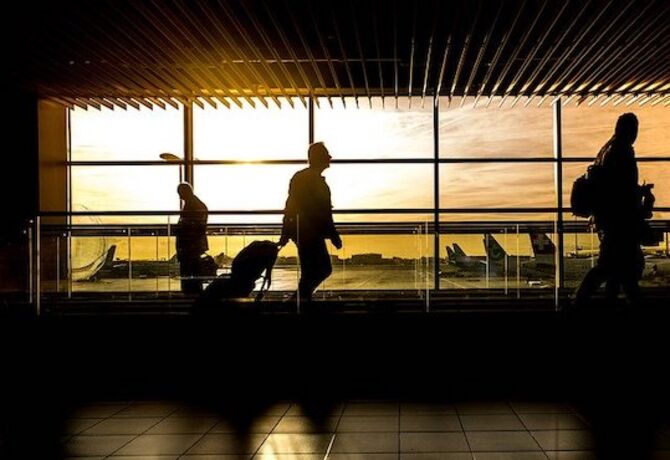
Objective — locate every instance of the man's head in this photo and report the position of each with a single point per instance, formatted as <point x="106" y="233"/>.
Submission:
<point x="626" y="128"/>
<point x="184" y="190"/>
<point x="318" y="156"/>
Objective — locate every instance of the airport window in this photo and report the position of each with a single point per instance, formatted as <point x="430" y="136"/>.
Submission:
<point x="126" y="135"/>
<point x="497" y="185"/>
<point x="378" y="148"/>
<point x="375" y="129"/>
<point x="487" y="130"/>
<point x="125" y="188"/>
<point x="247" y="133"/>
<point x="586" y="128"/>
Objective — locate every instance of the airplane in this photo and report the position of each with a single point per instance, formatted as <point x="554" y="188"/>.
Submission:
<point x="111" y="268"/>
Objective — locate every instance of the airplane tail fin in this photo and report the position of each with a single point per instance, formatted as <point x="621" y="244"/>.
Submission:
<point x="541" y="243"/>
<point x="459" y="252"/>
<point x="543" y="248"/>
<point x="494" y="251"/>
<point x="109" y="258"/>
<point x="451" y="255"/>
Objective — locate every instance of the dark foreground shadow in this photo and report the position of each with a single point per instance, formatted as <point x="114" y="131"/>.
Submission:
<point x="608" y="364"/>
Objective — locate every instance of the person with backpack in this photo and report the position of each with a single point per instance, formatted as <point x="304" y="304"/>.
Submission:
<point x="191" y="236"/>
<point x="308" y="221"/>
<point x="619" y="209"/>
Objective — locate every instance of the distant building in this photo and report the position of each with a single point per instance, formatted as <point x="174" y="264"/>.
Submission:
<point x="367" y="259"/>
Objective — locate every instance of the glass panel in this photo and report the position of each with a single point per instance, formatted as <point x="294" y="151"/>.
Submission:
<point x="503" y="185"/>
<point x="586" y="129"/>
<point x="249" y="133"/>
<point x="125" y="188"/>
<point x="126" y="135"/>
<point x="378" y="131"/>
<point x="508" y="258"/>
<point x="653" y="173"/>
<point x="263" y="187"/>
<point x="494" y="131"/>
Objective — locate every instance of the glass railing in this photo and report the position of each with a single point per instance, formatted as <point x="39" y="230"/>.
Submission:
<point x="121" y="257"/>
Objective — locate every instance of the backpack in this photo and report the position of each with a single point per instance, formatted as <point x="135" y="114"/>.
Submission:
<point x="246" y="268"/>
<point x="585" y="198"/>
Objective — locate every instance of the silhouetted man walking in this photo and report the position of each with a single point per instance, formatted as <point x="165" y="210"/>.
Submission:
<point x="308" y="221"/>
<point x="191" y="233"/>
<point x="619" y="217"/>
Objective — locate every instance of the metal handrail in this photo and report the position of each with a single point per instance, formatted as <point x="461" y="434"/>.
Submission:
<point x="423" y="159"/>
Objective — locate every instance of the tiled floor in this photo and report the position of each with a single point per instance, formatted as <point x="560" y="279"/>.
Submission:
<point x="353" y="430"/>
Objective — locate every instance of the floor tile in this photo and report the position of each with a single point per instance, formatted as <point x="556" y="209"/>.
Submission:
<point x="356" y="424"/>
<point x="217" y="457"/>
<point x="292" y="424"/>
<point x="227" y="444"/>
<point x="523" y="407"/>
<point x="143" y="457"/>
<point x="159" y="444"/>
<point x="433" y="442"/>
<point x="366" y="456"/>
<point x="430" y="423"/>
<point x="509" y="456"/>
<point x="491" y="423"/>
<point x="426" y="409"/>
<point x="77" y="425"/>
<point x="122" y="426"/>
<point x="564" y="439"/>
<point x="183" y="425"/>
<point x="296" y="410"/>
<point x="365" y="443"/>
<point x="95" y="445"/>
<point x="556" y="421"/>
<point x="365" y="409"/>
<point x="259" y="425"/>
<point x="277" y="409"/>
<point x="98" y="411"/>
<point x="473" y="408"/>
<point x="571" y="455"/>
<point x="437" y="456"/>
<point x="271" y="456"/>
<point x="147" y="410"/>
<point x="295" y="444"/>
<point x="501" y="441"/>
<point x="86" y="458"/>
<point x="194" y="411"/>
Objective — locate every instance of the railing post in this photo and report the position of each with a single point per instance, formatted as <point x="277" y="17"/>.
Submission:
<point x="38" y="263"/>
<point x="31" y="269"/>
<point x="558" y="183"/>
<point x="436" y="192"/>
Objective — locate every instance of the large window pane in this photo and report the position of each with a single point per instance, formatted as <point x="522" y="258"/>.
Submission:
<point x="263" y="187"/>
<point x="249" y="133"/>
<point x="380" y="131"/>
<point x="490" y="185"/>
<point x="125" y="188"/>
<point x="586" y="129"/>
<point x="493" y="131"/>
<point x="126" y="135"/>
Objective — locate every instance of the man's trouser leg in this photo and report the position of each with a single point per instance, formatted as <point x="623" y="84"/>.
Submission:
<point x="189" y="265"/>
<point x="314" y="265"/>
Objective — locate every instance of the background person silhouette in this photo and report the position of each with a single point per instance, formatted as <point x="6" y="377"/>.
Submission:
<point x="618" y="217"/>
<point x="308" y="221"/>
<point x="191" y="233"/>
